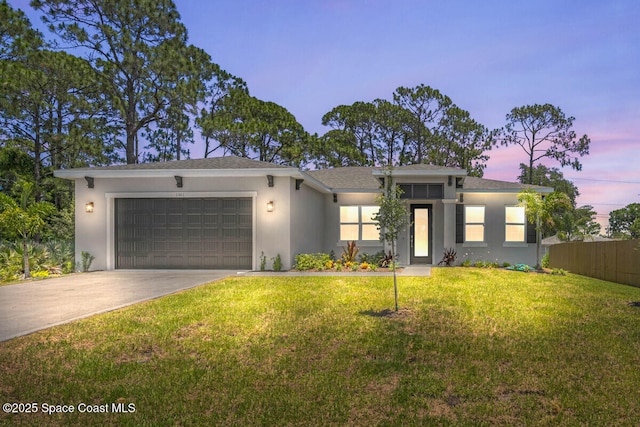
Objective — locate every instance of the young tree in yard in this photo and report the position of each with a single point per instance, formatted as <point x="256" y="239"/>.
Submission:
<point x="539" y="211"/>
<point x="543" y="131"/>
<point x="25" y="220"/>
<point x="392" y="219"/>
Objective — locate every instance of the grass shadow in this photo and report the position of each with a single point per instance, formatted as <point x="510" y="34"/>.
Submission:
<point x="387" y="312"/>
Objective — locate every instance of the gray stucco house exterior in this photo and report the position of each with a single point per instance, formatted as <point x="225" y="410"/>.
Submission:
<point x="225" y="212"/>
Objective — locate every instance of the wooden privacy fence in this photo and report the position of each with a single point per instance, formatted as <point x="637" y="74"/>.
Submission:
<point x="616" y="261"/>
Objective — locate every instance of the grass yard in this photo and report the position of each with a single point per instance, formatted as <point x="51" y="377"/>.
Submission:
<point x="468" y="347"/>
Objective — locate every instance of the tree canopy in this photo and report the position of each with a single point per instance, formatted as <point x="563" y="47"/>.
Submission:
<point x="625" y="223"/>
<point x="139" y="51"/>
<point x="420" y="125"/>
<point x="543" y="131"/>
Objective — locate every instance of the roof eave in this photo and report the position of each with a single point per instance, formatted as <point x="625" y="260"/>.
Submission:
<point x="545" y="190"/>
<point x="404" y="173"/>
<point x="163" y="173"/>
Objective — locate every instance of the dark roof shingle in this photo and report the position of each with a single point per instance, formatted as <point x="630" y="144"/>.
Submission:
<point x="475" y="183"/>
<point x="353" y="178"/>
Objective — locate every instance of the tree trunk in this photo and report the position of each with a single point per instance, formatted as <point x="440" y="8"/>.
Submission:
<point x="37" y="157"/>
<point x="393" y="267"/>
<point x="131" y="147"/>
<point x="25" y="259"/>
<point x="178" y="144"/>
<point x="538" y="238"/>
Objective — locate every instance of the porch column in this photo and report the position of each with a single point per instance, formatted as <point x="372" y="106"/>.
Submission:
<point x="449" y="223"/>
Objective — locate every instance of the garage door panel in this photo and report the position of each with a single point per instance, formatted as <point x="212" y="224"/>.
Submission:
<point x="244" y="219"/>
<point x="174" y="218"/>
<point x="184" y="233"/>
<point x="210" y="247"/>
<point x="209" y="219"/>
<point x="194" y="246"/>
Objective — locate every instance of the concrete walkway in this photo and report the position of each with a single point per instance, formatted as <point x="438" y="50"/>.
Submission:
<point x="32" y="306"/>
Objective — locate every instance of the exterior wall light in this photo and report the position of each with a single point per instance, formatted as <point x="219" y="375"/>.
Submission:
<point x="270" y="206"/>
<point x="88" y="207"/>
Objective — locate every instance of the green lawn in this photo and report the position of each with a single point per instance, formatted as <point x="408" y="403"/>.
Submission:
<point x="468" y="347"/>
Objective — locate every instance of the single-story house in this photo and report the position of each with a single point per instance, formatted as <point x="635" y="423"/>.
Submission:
<point x="228" y="212"/>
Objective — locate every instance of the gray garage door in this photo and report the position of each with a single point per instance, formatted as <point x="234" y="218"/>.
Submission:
<point x="203" y="233"/>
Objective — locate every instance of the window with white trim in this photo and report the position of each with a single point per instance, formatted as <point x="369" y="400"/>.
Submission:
<point x="474" y="223"/>
<point x="356" y="223"/>
<point x="515" y="225"/>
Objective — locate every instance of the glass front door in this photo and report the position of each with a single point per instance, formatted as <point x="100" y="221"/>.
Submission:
<point x="420" y="238"/>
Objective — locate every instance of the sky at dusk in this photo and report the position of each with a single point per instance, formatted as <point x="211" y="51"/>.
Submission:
<point x="487" y="56"/>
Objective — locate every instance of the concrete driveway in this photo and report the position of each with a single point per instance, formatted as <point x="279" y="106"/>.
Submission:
<point x="32" y="306"/>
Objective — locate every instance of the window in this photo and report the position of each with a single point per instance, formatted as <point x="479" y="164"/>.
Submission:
<point x="474" y="223"/>
<point x="514" y="224"/>
<point x="356" y="223"/>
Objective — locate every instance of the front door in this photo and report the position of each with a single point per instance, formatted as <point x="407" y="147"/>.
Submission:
<point x="420" y="238"/>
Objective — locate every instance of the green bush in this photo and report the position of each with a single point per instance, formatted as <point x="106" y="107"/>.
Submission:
<point x="277" y="263"/>
<point x="40" y="274"/>
<point x="263" y="261"/>
<point x="87" y="259"/>
<point x="559" y="272"/>
<point x="545" y="261"/>
<point x="10" y="263"/>
<point x="312" y="261"/>
<point x="54" y="257"/>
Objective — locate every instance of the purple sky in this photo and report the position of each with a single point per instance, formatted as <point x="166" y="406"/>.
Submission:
<point x="488" y="57"/>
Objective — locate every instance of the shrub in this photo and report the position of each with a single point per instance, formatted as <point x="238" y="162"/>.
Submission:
<point x="10" y="263"/>
<point x="364" y="265"/>
<point x="559" y="272"/>
<point x="329" y="264"/>
<point x="277" y="263"/>
<point x="545" y="261"/>
<point x="87" y="259"/>
<point x="350" y="252"/>
<point x="448" y="257"/>
<point x="312" y="261"/>
<point x="371" y="258"/>
<point x="466" y="263"/>
<point x="263" y="261"/>
<point x="40" y="274"/>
